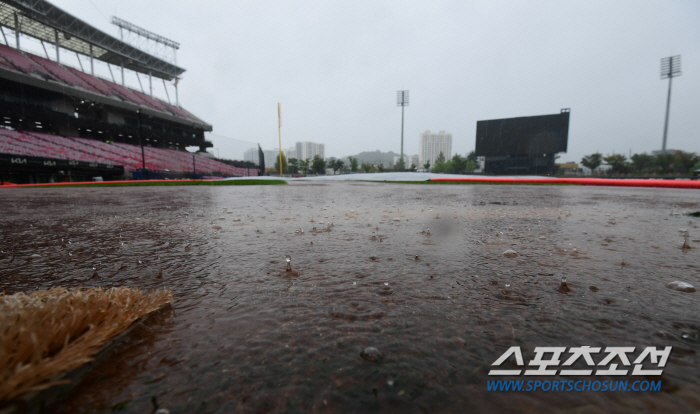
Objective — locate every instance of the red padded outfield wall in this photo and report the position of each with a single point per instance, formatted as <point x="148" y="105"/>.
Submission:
<point x="617" y="182"/>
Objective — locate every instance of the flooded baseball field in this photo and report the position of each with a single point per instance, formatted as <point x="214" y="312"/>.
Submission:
<point x="421" y="273"/>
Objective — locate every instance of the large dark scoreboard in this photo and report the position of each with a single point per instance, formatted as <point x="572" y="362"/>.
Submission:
<point x="528" y="135"/>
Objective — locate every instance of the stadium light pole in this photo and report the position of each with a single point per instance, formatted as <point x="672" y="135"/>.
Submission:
<point x="279" y="129"/>
<point x="402" y="101"/>
<point x="143" y="155"/>
<point x="670" y="68"/>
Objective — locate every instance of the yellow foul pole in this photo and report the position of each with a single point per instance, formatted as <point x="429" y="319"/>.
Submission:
<point x="279" y="129"/>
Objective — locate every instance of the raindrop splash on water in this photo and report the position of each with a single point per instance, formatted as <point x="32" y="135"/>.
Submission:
<point x="288" y="258"/>
<point x="686" y="236"/>
<point x="563" y="288"/>
<point x="510" y="253"/>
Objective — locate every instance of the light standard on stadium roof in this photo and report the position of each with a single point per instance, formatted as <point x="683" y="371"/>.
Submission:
<point x="402" y="101"/>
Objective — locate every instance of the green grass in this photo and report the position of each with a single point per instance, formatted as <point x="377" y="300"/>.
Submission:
<point x="462" y="182"/>
<point x="166" y="183"/>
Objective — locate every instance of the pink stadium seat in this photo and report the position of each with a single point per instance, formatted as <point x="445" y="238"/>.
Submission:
<point x="89" y="150"/>
<point x="126" y="94"/>
<point x="5" y="64"/>
<point x="150" y="101"/>
<point x="93" y="81"/>
<point x="62" y="73"/>
<point x="32" y="64"/>
<point x="23" y="63"/>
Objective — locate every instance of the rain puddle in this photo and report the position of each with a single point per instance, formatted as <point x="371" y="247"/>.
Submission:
<point x="364" y="297"/>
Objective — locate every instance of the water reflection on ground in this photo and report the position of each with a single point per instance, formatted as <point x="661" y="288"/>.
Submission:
<point x="415" y="271"/>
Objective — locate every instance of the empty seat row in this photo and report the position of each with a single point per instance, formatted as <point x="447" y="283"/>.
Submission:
<point x="89" y="150"/>
<point x="62" y="73"/>
<point x="28" y="63"/>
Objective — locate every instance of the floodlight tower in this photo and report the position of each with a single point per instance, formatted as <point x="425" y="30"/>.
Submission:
<point x="670" y="68"/>
<point x="402" y="101"/>
<point x="152" y="43"/>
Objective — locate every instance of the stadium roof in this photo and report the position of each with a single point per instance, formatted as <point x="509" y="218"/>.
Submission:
<point x="41" y="19"/>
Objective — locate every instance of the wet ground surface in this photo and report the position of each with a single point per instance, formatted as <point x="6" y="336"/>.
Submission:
<point x="243" y="334"/>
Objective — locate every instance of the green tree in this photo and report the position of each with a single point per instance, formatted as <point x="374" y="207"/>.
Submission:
<point x="336" y="165"/>
<point x="442" y="167"/>
<point x="685" y="161"/>
<point x="618" y="163"/>
<point x="380" y="167"/>
<point x="592" y="161"/>
<point x="413" y="168"/>
<point x="366" y="167"/>
<point x="459" y="164"/>
<point x="642" y="163"/>
<point x="664" y="162"/>
<point x="427" y="165"/>
<point x="318" y="165"/>
<point x="284" y="164"/>
<point x="400" y="165"/>
<point x="440" y="158"/>
<point x="353" y="163"/>
<point x="472" y="157"/>
<point x="304" y="166"/>
<point x="293" y="165"/>
<point x="471" y="166"/>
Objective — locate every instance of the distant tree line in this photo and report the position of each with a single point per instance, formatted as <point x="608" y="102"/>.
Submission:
<point x="316" y="165"/>
<point x="678" y="163"/>
<point x="457" y="165"/>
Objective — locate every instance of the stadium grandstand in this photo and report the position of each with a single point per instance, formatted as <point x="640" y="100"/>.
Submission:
<point x="66" y="123"/>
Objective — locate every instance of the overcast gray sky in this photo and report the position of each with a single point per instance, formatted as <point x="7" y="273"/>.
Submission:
<point x="336" y="66"/>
